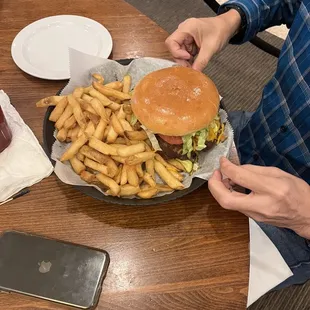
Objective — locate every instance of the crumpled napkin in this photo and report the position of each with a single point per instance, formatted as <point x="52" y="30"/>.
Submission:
<point x="24" y="162"/>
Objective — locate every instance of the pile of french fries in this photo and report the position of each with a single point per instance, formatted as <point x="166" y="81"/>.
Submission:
<point x="107" y="149"/>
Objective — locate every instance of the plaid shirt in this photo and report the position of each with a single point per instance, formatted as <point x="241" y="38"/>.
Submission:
<point x="278" y="134"/>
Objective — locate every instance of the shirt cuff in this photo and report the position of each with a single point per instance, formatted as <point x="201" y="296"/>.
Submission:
<point x="252" y="13"/>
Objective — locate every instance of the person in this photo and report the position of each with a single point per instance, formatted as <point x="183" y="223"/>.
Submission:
<point x="273" y="142"/>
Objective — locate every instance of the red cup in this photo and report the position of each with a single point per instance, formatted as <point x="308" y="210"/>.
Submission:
<point x="5" y="132"/>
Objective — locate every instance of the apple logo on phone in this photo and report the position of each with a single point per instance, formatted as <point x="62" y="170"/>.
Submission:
<point x="44" y="267"/>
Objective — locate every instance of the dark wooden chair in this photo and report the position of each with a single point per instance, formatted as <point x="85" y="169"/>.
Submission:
<point x="258" y="42"/>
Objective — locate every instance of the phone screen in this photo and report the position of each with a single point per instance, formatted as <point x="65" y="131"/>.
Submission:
<point x="51" y="269"/>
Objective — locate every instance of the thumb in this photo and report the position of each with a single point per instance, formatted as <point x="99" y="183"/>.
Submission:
<point x="202" y="59"/>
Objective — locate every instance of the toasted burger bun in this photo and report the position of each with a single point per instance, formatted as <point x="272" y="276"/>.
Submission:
<point x="175" y="101"/>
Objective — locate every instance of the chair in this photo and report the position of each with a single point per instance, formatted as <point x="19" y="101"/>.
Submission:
<point x="258" y="42"/>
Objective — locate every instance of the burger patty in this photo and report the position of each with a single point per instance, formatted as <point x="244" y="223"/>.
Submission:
<point x="171" y="151"/>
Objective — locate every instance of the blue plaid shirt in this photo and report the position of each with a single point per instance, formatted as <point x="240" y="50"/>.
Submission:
<point x="278" y="134"/>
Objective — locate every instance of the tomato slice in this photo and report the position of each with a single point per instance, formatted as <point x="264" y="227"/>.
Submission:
<point x="172" y="139"/>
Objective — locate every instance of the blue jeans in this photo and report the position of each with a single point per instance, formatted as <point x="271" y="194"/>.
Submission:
<point x="294" y="249"/>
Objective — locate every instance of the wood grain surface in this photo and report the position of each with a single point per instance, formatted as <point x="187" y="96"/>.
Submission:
<point x="187" y="254"/>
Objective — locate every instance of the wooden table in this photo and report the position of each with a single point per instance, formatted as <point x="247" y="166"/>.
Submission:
<point x="187" y="254"/>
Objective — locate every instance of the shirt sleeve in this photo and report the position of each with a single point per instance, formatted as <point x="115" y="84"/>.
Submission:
<point x="262" y="14"/>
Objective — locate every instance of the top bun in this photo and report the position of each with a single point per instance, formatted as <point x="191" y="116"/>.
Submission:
<point x="175" y="101"/>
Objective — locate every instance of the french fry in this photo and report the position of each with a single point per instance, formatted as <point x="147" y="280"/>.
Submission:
<point x="114" y="106"/>
<point x="108" y="112"/>
<point x="121" y="114"/>
<point x="167" y="177"/>
<point x="120" y="140"/>
<point x="87" y="98"/>
<point x="102" y="147"/>
<point x="131" y="150"/>
<point x="98" y="77"/>
<point x="112" y="135"/>
<point x="74" y="147"/>
<point x="117" y="125"/>
<point x="92" y="117"/>
<point x="126" y="84"/>
<point x="99" y="108"/>
<point x="69" y="134"/>
<point x="87" y="90"/>
<point x="125" y="125"/>
<point x="77" y="165"/>
<point x="163" y="162"/>
<point x="78" y="92"/>
<point x="62" y="135"/>
<point x="88" y="177"/>
<point x="106" y="131"/>
<point x="94" y="155"/>
<point x="177" y="175"/>
<point x="118" y="146"/>
<point x="150" y="167"/>
<point x="119" y="159"/>
<point x="132" y="176"/>
<point x="70" y="122"/>
<point x="110" y="92"/>
<point x="86" y="106"/>
<point x="148" y="193"/>
<point x="90" y="129"/>
<point x="127" y="108"/>
<point x="139" y="170"/>
<point x="97" y="167"/>
<point x="149" y="179"/>
<point x="80" y="156"/>
<point x="139" y="158"/>
<point x="77" y="111"/>
<point x="163" y="188"/>
<point x="99" y="132"/>
<point x="136" y="135"/>
<point x="145" y="186"/>
<point x="110" y="183"/>
<point x="129" y="190"/>
<point x="100" y="158"/>
<point x="124" y="175"/>
<point x="64" y="116"/>
<point x="176" y="164"/>
<point x="81" y="131"/>
<point x="58" y="110"/>
<point x="74" y="133"/>
<point x="117" y="177"/>
<point x="115" y="85"/>
<point x="96" y="94"/>
<point x="49" y="101"/>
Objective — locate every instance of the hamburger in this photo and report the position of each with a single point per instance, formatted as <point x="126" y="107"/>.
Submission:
<point x="178" y="107"/>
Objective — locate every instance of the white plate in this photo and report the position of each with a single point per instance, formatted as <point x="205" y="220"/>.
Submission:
<point x="41" y="48"/>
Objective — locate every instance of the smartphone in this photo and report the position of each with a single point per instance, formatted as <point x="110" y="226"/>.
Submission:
<point x="50" y="269"/>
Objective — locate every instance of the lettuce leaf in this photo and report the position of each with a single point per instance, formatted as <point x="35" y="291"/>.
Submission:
<point x="188" y="145"/>
<point x="133" y="120"/>
<point x="202" y="136"/>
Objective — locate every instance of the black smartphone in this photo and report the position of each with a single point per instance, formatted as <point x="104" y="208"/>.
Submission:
<point x="54" y="270"/>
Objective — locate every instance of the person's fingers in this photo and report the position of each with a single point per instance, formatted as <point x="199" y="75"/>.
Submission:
<point x="269" y="171"/>
<point x="228" y="199"/>
<point x="175" y="43"/>
<point x="182" y="62"/>
<point x="244" y="177"/>
<point x="202" y="59"/>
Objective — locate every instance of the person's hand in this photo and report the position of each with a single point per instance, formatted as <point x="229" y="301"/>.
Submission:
<point x="276" y="197"/>
<point x="202" y="37"/>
